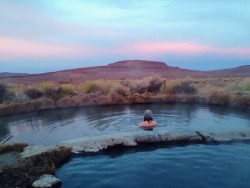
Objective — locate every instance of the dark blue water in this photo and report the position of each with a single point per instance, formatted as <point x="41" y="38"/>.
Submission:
<point x="51" y="127"/>
<point x="182" y="166"/>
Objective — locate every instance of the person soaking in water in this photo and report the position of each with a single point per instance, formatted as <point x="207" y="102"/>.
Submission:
<point x="148" y="122"/>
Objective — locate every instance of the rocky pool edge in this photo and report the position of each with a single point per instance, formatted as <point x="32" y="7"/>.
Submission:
<point x="32" y="162"/>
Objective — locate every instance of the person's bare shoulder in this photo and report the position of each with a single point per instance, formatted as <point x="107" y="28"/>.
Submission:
<point x="148" y="124"/>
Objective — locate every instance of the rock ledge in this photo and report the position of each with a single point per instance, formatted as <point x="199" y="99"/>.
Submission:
<point x="47" y="180"/>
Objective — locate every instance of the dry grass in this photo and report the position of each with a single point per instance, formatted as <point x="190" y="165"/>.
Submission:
<point x="17" y="147"/>
<point x="47" y="95"/>
<point x="74" y="101"/>
<point x="34" y="105"/>
<point x="3" y="90"/>
<point x="137" y="98"/>
<point x="178" y="87"/>
<point x="240" y="102"/>
<point x="219" y="98"/>
<point x="164" y="98"/>
<point x="243" y="86"/>
<point x="168" y="87"/>
<point x="93" y="87"/>
<point x="149" y="84"/>
<point x="45" y="87"/>
<point x="33" y="93"/>
<point x="102" y="87"/>
<point x="67" y="89"/>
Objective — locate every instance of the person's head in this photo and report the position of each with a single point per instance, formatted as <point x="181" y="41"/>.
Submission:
<point x="148" y="115"/>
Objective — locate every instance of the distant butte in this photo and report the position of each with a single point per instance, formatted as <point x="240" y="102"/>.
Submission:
<point x="138" y="63"/>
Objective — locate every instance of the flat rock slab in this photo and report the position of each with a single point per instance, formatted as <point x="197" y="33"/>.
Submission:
<point x="97" y="143"/>
<point x="224" y="137"/>
<point x="36" y="150"/>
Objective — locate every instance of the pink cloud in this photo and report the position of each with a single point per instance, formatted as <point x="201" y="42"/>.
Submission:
<point x="11" y="48"/>
<point x="162" y="48"/>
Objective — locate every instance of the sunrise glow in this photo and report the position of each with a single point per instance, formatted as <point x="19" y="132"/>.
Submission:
<point x="90" y="33"/>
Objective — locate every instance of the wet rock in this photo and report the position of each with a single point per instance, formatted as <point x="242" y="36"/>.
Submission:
<point x="180" y="137"/>
<point x="47" y="180"/>
<point x="21" y="170"/>
<point x="224" y="137"/>
<point x="36" y="150"/>
<point x="147" y="137"/>
<point x="97" y="143"/>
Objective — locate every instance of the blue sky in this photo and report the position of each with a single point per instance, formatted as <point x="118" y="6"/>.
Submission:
<point x="48" y="35"/>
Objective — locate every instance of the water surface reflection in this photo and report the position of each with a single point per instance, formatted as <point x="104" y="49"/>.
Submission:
<point x="188" y="166"/>
<point x="50" y="127"/>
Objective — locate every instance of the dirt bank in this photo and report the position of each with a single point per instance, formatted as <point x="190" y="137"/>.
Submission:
<point x="16" y="171"/>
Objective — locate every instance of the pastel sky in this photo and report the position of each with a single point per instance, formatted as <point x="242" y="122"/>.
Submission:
<point x="49" y="35"/>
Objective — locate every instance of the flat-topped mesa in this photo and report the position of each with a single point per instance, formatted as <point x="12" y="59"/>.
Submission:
<point x="138" y="63"/>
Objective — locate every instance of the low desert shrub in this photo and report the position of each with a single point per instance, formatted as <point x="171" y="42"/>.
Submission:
<point x="66" y="101"/>
<point x="116" y="98"/>
<point x="138" y="86"/>
<point x="123" y="91"/>
<point x="219" y="98"/>
<point x="164" y="98"/>
<point x="10" y="96"/>
<point x="16" y="147"/>
<point x="13" y="108"/>
<point x="50" y="90"/>
<point x="185" y="87"/>
<point x="139" y="98"/>
<point x="67" y="89"/>
<point x="243" y="86"/>
<point x="73" y="101"/>
<point x="92" y="87"/>
<point x="47" y="87"/>
<point x="103" y="100"/>
<point x="55" y="92"/>
<point x="182" y="87"/>
<point x="149" y="84"/>
<point x="125" y="83"/>
<point x="240" y="102"/>
<point x="3" y="90"/>
<point x="16" y="93"/>
<point x="154" y="84"/>
<point x="116" y="87"/>
<point x="182" y="98"/>
<point x="33" y="93"/>
<point x="7" y="94"/>
<point x="34" y="105"/>
<point x="102" y="87"/>
<point x="85" y="100"/>
<point x="80" y="89"/>
<point x="168" y="88"/>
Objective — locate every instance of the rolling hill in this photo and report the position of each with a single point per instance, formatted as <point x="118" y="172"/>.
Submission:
<point x="8" y="74"/>
<point x="130" y="69"/>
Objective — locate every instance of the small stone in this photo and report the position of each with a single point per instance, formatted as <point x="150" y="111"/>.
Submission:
<point x="47" y="180"/>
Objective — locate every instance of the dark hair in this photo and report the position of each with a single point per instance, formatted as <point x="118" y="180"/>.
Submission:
<point x="148" y="119"/>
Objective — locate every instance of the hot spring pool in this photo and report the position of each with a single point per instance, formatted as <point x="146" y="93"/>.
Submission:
<point x="152" y="166"/>
<point x="51" y="127"/>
